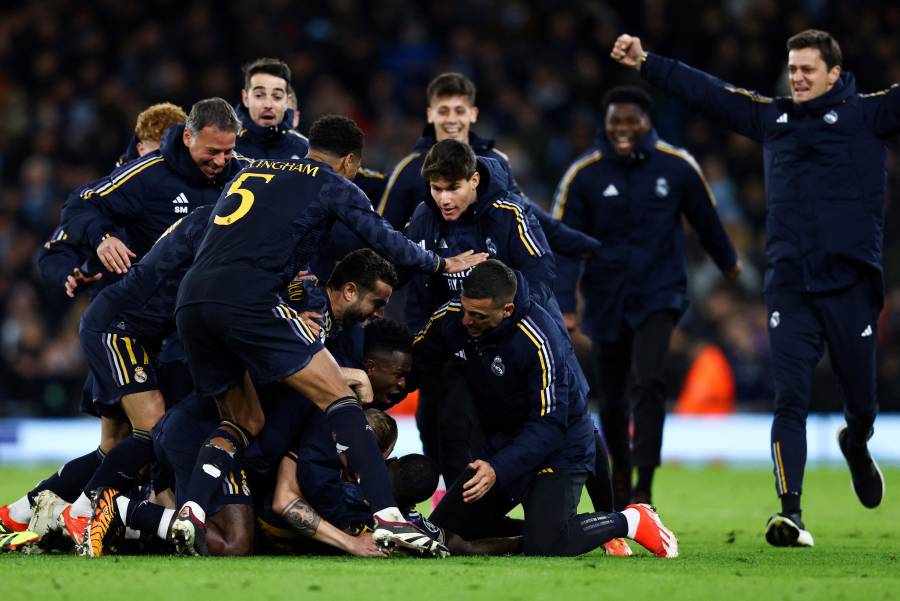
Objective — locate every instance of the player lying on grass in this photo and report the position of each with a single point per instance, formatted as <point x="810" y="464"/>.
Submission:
<point x="267" y="226"/>
<point x="357" y="290"/>
<point x="230" y="528"/>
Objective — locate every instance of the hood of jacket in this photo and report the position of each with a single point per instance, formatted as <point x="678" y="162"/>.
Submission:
<point x="130" y="153"/>
<point x="522" y="302"/>
<point x="493" y="183"/>
<point x="179" y="159"/>
<point x="267" y="136"/>
<point x="843" y="88"/>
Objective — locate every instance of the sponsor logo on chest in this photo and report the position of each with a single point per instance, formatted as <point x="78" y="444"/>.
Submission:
<point x="180" y="204"/>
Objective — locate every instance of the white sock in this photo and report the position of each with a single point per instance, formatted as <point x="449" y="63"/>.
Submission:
<point x="633" y="517"/>
<point x="390" y="514"/>
<point x="198" y="511"/>
<point x="163" y="529"/>
<point x="122" y="503"/>
<point x="131" y="534"/>
<point x="20" y="510"/>
<point x="81" y="507"/>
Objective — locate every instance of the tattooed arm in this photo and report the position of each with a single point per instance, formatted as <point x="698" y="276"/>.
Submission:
<point x="303" y="518"/>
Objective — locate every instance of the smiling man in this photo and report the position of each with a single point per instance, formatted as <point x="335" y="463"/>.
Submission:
<point x="825" y="156"/>
<point x="539" y="442"/>
<point x="471" y="202"/>
<point x="123" y="214"/>
<point x="630" y="191"/>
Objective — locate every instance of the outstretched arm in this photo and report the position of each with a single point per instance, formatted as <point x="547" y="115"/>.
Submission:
<point x="352" y="208"/>
<point x="736" y="108"/>
<point x="303" y="518"/>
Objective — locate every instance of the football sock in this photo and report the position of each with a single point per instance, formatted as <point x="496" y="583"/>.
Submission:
<point x="20" y="510"/>
<point x="632" y="519"/>
<point x="81" y="507"/>
<point x="145" y="516"/>
<point x="354" y="437"/>
<point x="790" y="503"/>
<point x="71" y="478"/>
<point x="121" y="465"/>
<point x="390" y="514"/>
<point x="212" y="464"/>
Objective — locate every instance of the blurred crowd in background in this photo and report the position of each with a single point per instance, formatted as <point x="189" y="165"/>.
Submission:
<point x="74" y="75"/>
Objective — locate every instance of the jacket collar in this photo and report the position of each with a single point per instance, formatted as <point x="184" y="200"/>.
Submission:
<point x="179" y="159"/>
<point x="493" y="183"/>
<point x="843" y="88"/>
<point x="267" y="136"/>
<point x="642" y="152"/>
<point x="522" y="302"/>
<point x="428" y="139"/>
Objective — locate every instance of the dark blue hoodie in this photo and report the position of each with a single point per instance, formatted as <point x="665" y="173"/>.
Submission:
<point x="280" y="141"/>
<point x="406" y="188"/>
<point x="635" y="204"/>
<point x="62" y="253"/>
<point x="498" y="223"/>
<point x="524" y="378"/>
<point x="144" y="299"/>
<point x="825" y="165"/>
<point x="344" y="341"/>
<point x="138" y="201"/>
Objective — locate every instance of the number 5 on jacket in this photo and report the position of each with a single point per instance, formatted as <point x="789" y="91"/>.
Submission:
<point x="247" y="198"/>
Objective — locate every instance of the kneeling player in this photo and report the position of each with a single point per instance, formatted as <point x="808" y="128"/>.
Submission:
<point x="539" y="450"/>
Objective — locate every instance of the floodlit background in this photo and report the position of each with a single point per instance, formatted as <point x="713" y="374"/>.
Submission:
<point x="74" y="75"/>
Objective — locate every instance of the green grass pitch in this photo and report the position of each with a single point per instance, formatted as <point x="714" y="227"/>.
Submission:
<point x="717" y="513"/>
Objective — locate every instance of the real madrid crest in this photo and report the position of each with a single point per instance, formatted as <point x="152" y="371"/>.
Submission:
<point x="662" y="187"/>
<point x="830" y="117"/>
<point x="491" y="247"/>
<point x="140" y="376"/>
<point x="497" y="367"/>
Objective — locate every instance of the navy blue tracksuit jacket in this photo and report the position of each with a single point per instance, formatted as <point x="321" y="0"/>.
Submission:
<point x="267" y="230"/>
<point x="406" y="188"/>
<point x="138" y="201"/>
<point x="280" y="141"/>
<point x="342" y="240"/>
<point x="825" y="171"/>
<point x="144" y="299"/>
<point x="524" y="379"/>
<point x="283" y="142"/>
<point x="61" y="254"/>
<point x="498" y="223"/>
<point x="634" y="205"/>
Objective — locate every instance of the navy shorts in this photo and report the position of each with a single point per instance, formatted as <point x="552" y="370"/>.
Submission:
<point x="177" y="439"/>
<point x="223" y="341"/>
<point x="118" y="364"/>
